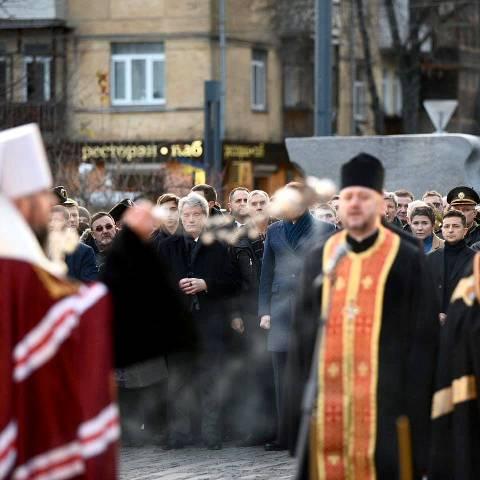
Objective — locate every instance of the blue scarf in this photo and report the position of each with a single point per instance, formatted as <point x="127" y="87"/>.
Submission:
<point x="427" y="244"/>
<point x="296" y="231"/>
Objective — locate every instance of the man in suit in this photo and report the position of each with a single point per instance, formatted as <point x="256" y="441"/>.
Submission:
<point x="285" y="245"/>
<point x="206" y="276"/>
<point x="448" y="265"/>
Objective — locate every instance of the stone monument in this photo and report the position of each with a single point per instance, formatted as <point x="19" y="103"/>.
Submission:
<point x="415" y="162"/>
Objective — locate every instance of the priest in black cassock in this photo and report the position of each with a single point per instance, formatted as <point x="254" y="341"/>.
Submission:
<point x="379" y="347"/>
<point x="456" y="405"/>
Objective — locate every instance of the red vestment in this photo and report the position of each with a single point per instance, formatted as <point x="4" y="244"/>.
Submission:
<point x="58" y="416"/>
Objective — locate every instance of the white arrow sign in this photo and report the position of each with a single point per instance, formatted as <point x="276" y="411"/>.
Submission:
<point x="440" y="112"/>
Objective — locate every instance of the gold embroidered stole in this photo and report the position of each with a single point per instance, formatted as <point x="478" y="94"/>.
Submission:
<point x="344" y="433"/>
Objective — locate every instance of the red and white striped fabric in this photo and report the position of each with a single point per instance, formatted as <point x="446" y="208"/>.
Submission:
<point x="8" y="451"/>
<point x="68" y="461"/>
<point x="43" y="341"/>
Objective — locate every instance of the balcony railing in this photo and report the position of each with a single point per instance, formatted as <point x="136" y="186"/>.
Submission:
<point x="49" y="116"/>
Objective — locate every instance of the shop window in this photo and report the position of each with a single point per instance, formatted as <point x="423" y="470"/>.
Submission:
<point x="259" y="80"/>
<point x="138" y="74"/>
<point x="37" y="73"/>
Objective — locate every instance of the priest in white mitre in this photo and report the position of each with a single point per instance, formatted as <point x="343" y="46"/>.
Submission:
<point x="60" y="340"/>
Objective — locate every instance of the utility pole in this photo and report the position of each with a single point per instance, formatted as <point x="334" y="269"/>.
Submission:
<point x="212" y="141"/>
<point x="323" y="68"/>
<point x="223" y="64"/>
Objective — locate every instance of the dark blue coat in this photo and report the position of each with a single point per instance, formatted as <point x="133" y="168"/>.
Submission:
<point x="81" y="264"/>
<point x="281" y="267"/>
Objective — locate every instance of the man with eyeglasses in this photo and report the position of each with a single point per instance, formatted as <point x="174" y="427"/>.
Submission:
<point x="465" y="199"/>
<point x="103" y="232"/>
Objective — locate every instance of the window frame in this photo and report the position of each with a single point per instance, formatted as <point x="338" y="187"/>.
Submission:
<point x="47" y="77"/>
<point x="256" y="65"/>
<point x="359" y="106"/>
<point x="127" y="59"/>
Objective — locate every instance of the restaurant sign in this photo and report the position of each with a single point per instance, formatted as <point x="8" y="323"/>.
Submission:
<point x="147" y="151"/>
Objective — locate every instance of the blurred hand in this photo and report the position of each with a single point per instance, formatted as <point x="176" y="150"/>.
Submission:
<point x="192" y="286"/>
<point x="140" y="219"/>
<point x="265" y="322"/>
<point x="442" y="317"/>
<point x="237" y="325"/>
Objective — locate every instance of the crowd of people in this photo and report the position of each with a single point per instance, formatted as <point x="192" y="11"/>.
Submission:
<point x="237" y="269"/>
<point x="218" y="321"/>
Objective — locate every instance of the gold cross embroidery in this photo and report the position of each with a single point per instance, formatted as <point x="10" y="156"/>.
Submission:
<point x="363" y="369"/>
<point x="367" y="282"/>
<point x="333" y="370"/>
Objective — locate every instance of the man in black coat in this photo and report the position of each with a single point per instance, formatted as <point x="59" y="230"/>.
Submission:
<point x="449" y="264"/>
<point x="207" y="276"/>
<point x="257" y="408"/>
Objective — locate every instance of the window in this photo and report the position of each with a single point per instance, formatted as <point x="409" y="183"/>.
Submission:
<point x="138" y="74"/>
<point x="359" y="100"/>
<point x="259" y="80"/>
<point x="37" y="73"/>
<point x="392" y="94"/>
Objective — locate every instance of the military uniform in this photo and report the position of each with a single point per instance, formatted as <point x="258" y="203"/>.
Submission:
<point x="466" y="196"/>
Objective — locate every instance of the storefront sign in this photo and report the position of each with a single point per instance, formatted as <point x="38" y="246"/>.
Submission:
<point x="243" y="151"/>
<point x="150" y="151"/>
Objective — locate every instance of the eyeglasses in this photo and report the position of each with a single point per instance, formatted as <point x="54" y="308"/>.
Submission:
<point x="100" y="228"/>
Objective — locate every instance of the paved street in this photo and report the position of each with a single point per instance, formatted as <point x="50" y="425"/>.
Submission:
<point x="153" y="463"/>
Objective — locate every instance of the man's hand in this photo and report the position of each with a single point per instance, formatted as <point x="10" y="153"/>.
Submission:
<point x="237" y="325"/>
<point x="442" y="317"/>
<point x="265" y="322"/>
<point x="140" y="219"/>
<point x="192" y="286"/>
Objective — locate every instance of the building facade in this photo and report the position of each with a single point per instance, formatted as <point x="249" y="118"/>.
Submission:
<point x="117" y="87"/>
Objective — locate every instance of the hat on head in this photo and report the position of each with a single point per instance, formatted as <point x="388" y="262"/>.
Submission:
<point x="463" y="196"/>
<point x="60" y="193"/>
<point x="24" y="168"/>
<point x="364" y="170"/>
<point x="119" y="209"/>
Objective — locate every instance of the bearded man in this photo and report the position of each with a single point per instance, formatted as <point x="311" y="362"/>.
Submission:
<point x="377" y="356"/>
<point x="59" y="339"/>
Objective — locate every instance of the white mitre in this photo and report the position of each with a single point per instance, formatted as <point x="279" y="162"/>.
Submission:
<point x="24" y="171"/>
<point x="24" y="166"/>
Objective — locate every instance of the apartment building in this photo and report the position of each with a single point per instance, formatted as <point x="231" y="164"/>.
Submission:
<point x="118" y="89"/>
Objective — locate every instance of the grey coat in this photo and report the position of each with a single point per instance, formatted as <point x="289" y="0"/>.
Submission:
<point x="281" y="267"/>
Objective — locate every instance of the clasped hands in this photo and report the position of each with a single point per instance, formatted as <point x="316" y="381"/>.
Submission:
<point x="192" y="286"/>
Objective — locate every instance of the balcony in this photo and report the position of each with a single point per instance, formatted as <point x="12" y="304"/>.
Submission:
<point x="50" y="116"/>
<point x="13" y="11"/>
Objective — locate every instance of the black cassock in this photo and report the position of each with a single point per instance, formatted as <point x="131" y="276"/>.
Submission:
<point x="456" y="406"/>
<point x="407" y="354"/>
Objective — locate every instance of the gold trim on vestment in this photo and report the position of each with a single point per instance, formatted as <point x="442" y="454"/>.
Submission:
<point x="351" y="305"/>
<point x="462" y="390"/>
<point x="55" y="287"/>
<point x="377" y="324"/>
<point x="476" y="275"/>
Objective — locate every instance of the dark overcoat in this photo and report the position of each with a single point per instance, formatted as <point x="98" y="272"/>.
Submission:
<point x="445" y="284"/>
<point x="213" y="263"/>
<point x="281" y="267"/>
